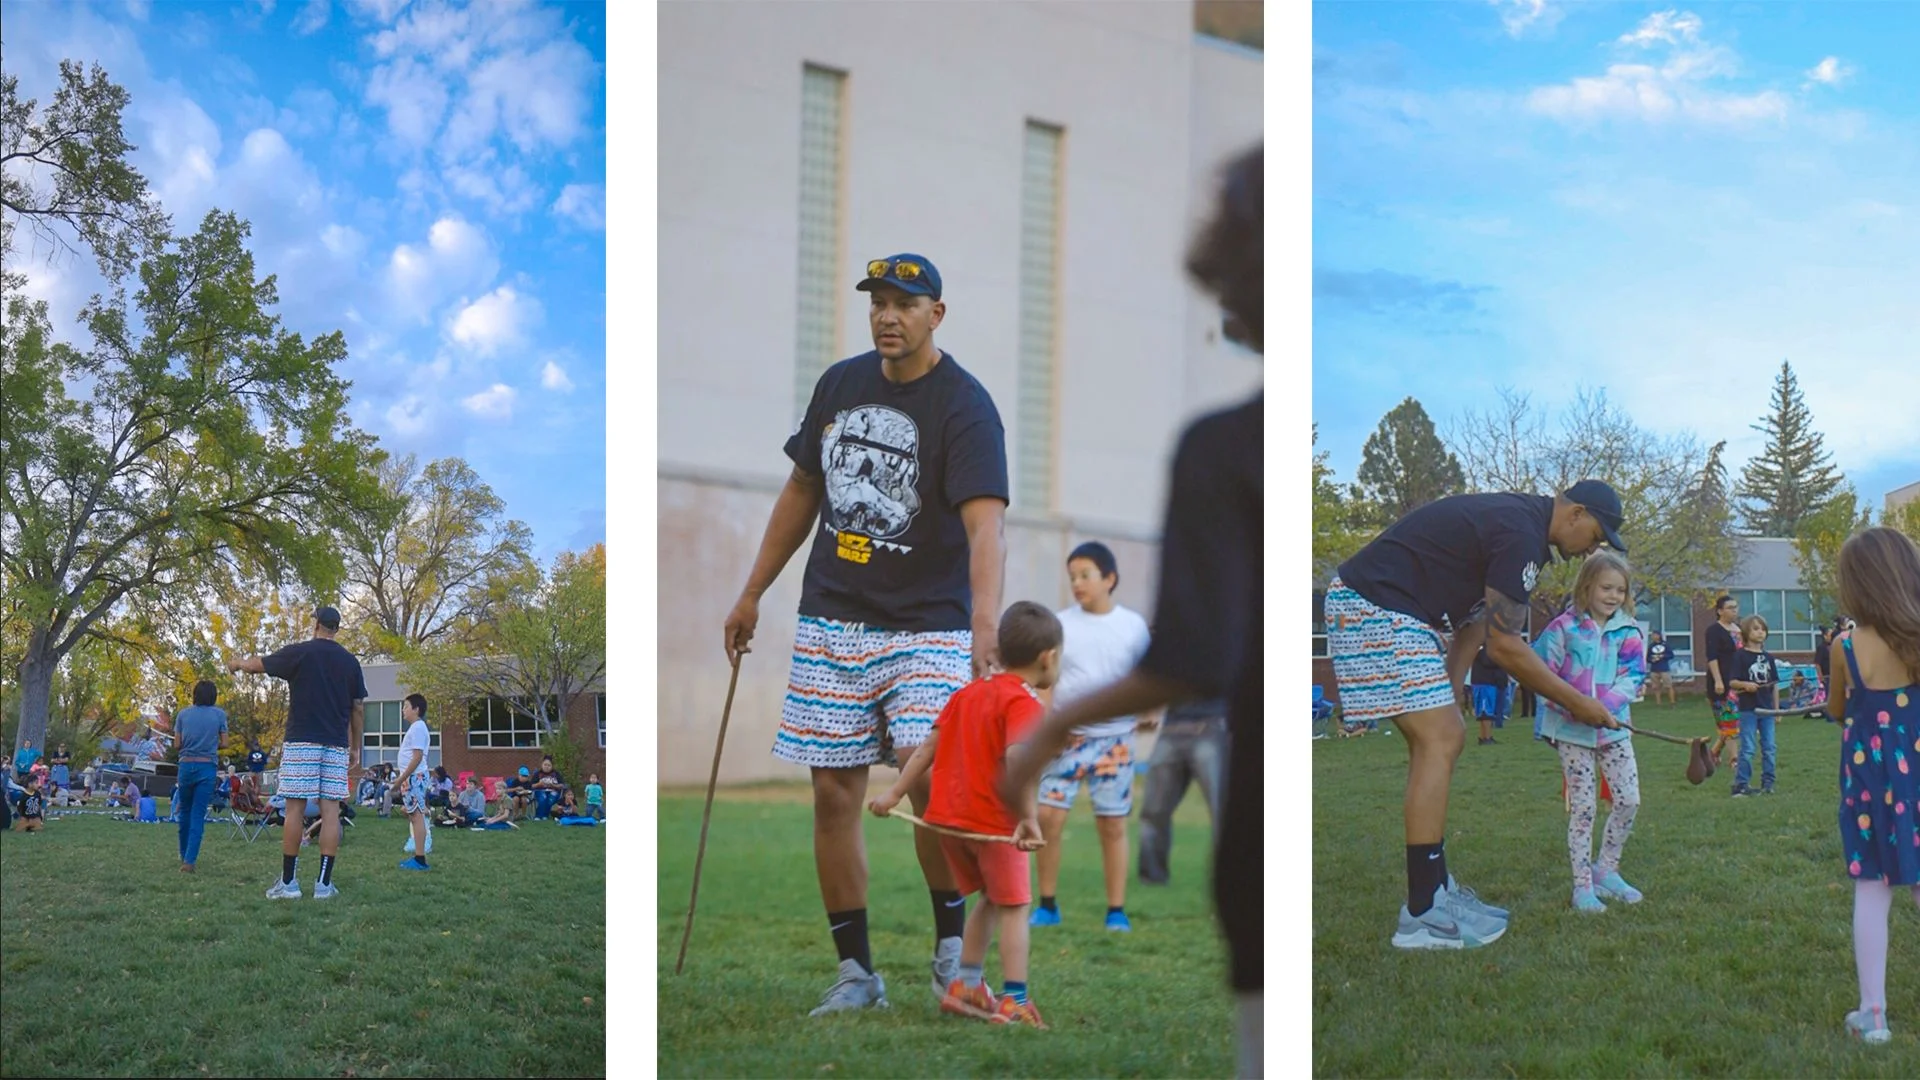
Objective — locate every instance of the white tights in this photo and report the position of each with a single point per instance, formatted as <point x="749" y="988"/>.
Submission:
<point x="1872" y="902"/>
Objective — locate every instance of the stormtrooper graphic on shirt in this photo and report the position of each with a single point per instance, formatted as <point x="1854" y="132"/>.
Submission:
<point x="870" y="457"/>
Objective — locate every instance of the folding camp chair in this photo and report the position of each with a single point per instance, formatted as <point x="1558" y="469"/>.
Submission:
<point x="247" y="814"/>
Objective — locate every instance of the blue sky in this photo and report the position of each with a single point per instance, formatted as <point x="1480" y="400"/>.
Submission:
<point x="1664" y="201"/>
<point x="428" y="179"/>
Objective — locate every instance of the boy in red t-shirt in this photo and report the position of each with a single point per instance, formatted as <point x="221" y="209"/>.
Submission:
<point x="967" y="753"/>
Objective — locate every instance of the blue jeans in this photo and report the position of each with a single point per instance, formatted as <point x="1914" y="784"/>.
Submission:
<point x="1743" y="772"/>
<point x="197" y="779"/>
<point x="543" y="801"/>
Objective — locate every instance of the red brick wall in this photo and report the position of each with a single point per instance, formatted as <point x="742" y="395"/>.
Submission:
<point x="458" y="757"/>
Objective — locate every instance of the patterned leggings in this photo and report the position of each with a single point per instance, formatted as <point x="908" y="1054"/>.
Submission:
<point x="1580" y="763"/>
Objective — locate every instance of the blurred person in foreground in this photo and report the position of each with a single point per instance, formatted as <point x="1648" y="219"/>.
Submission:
<point x="1208" y="623"/>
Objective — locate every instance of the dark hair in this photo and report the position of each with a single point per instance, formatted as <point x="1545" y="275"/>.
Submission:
<point x="1101" y="556"/>
<point x="419" y="703"/>
<point x="1722" y="602"/>
<point x="204" y="693"/>
<point x="1879" y="571"/>
<point x="1026" y="631"/>
<point x="1228" y="257"/>
<point x="440" y="771"/>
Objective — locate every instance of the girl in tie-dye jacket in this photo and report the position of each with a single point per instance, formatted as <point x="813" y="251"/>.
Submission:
<point x="1598" y="648"/>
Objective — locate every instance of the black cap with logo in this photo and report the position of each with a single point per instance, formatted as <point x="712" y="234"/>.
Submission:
<point x="1603" y="503"/>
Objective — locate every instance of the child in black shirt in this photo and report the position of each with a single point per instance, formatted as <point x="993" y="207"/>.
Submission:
<point x="1754" y="676"/>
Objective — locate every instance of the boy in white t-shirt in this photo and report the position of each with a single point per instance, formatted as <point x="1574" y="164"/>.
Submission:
<point x="412" y="781"/>
<point x="1104" y="641"/>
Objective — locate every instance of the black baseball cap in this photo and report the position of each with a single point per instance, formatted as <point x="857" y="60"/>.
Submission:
<point x="1603" y="503"/>
<point x="327" y="617"/>
<point x="906" y="272"/>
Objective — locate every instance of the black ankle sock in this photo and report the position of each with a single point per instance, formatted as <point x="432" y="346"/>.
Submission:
<point x="949" y="913"/>
<point x="1116" y="910"/>
<point x="286" y="868"/>
<point x="1047" y="904"/>
<point x="850" y="936"/>
<point x="326" y="869"/>
<point x="1426" y="873"/>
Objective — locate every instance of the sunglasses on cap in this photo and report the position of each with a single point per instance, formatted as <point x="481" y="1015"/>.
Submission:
<point x="898" y="269"/>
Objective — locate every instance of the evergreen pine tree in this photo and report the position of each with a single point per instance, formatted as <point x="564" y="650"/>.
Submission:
<point x="1793" y="475"/>
<point x="1404" y="465"/>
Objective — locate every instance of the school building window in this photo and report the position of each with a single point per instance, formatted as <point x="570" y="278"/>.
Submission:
<point x="1673" y="617"/>
<point x="1319" y="623"/>
<point x="817" y="335"/>
<point x="600" y="717"/>
<point x="380" y="738"/>
<point x="1039" y="304"/>
<point x="1789" y="615"/>
<point x="493" y="724"/>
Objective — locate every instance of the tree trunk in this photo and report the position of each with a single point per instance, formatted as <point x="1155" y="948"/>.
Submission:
<point x="36" y="691"/>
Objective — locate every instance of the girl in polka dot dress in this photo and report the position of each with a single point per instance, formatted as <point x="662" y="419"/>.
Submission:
<point x="1877" y="692"/>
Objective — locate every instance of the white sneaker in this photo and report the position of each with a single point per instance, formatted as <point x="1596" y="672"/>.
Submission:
<point x="855" y="989"/>
<point x="324" y="892"/>
<point x="946" y="965"/>
<point x="285" y="890"/>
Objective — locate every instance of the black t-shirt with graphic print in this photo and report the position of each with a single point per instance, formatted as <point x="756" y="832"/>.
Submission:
<point x="897" y="460"/>
<point x="1659" y="657"/>
<point x="1437" y="563"/>
<point x="1754" y="667"/>
<point x="1719" y="647"/>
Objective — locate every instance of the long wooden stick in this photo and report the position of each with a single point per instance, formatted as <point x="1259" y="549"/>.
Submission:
<point x="899" y="813"/>
<point x="706" y="818"/>
<point x="1657" y="735"/>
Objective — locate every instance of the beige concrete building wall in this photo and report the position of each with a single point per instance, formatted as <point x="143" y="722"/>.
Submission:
<point x="937" y="99"/>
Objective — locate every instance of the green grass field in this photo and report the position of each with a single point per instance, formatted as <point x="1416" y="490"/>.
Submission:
<point x="114" y="964"/>
<point x="1152" y="1003"/>
<point x="1738" y="963"/>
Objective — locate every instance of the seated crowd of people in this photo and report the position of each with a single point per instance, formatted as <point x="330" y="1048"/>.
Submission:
<point x="540" y="794"/>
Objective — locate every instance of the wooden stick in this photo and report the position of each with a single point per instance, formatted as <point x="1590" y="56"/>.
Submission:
<point x="707" y="817"/>
<point x="899" y="813"/>
<point x="1657" y="735"/>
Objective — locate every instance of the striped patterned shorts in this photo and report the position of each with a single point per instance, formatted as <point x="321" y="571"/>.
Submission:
<point x="857" y="694"/>
<point x="1388" y="663"/>
<point x="313" y="771"/>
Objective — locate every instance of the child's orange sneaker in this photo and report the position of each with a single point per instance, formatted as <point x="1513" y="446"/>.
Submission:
<point x="976" y="1001"/>
<point x="1018" y="1012"/>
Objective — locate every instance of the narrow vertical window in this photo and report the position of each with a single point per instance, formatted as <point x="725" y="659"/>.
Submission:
<point x="817" y="333"/>
<point x="1036" y="414"/>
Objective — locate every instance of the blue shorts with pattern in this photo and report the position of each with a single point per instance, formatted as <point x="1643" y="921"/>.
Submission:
<point x="313" y="771"/>
<point x="413" y="798"/>
<point x="1104" y="763"/>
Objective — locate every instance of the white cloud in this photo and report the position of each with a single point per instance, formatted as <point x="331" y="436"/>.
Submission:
<point x="343" y="241"/>
<point x="498" y="319"/>
<point x="140" y="9"/>
<point x="381" y="11"/>
<point x="554" y="377"/>
<point x="1676" y="90"/>
<point x="537" y="99"/>
<point x="585" y="204"/>
<point x="495" y="402"/>
<point x="415" y="100"/>
<point x="185" y="143"/>
<point x="1669" y="26"/>
<point x="1828" y="72"/>
<point x="456" y="256"/>
<point x="312" y="17"/>
<point x="1520" y="16"/>
<point x="503" y="190"/>
<point x="408" y="416"/>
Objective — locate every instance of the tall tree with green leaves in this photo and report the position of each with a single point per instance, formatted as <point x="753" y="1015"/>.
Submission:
<point x="64" y="172"/>
<point x="1816" y="547"/>
<point x="1336" y="533"/>
<point x="421" y="565"/>
<point x="194" y="432"/>
<point x="1793" y="475"/>
<point x="1404" y="465"/>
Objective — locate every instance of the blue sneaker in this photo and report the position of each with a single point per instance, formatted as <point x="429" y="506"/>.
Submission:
<point x="1117" y="920"/>
<point x="413" y="864"/>
<point x="1615" y="887"/>
<point x="1587" y="903"/>
<point x="324" y="892"/>
<point x="1472" y="900"/>
<point x="1043" y="917"/>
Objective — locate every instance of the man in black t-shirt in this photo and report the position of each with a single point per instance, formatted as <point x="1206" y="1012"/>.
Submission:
<point x="1208" y="621"/>
<point x="1405" y="616"/>
<point x="326" y="709"/>
<point x="900" y="475"/>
